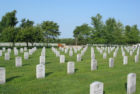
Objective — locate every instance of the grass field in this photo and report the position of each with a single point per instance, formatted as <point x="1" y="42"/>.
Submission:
<point x="22" y="80"/>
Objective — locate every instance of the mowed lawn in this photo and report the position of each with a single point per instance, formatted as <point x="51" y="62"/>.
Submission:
<point x="22" y="80"/>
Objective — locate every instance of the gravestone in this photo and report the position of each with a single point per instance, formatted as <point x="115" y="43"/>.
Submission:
<point x="21" y="50"/>
<point x="104" y="55"/>
<point x="111" y="62"/>
<point x="9" y="50"/>
<point x="78" y="57"/>
<point x="15" y="52"/>
<point x="42" y="59"/>
<point x="57" y="53"/>
<point x="62" y="59"/>
<point x="114" y="54"/>
<point x="131" y="83"/>
<point x="40" y="71"/>
<point x="25" y="48"/>
<point x="66" y="50"/>
<point x="70" y="67"/>
<point x="136" y="58"/>
<point x="93" y="64"/>
<point x="75" y="50"/>
<point x="70" y="53"/>
<point x="125" y="60"/>
<point x="30" y="52"/>
<point x="2" y="75"/>
<point x="18" y="61"/>
<point x="123" y="53"/>
<point x="0" y="52"/>
<point x="3" y="49"/>
<point x="7" y="56"/>
<point x="26" y="55"/>
<point x="96" y="88"/>
<point x="131" y="53"/>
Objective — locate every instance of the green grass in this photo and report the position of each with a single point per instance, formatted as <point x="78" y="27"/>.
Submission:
<point x="23" y="80"/>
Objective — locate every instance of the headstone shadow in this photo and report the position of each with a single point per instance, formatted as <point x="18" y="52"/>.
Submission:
<point x="125" y="86"/>
<point x="11" y="78"/>
<point x="76" y="70"/>
<point x="47" y="62"/>
<point x="26" y="64"/>
<point x="48" y="73"/>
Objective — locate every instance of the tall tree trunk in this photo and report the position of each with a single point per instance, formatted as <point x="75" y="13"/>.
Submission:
<point x="27" y="44"/>
<point x="13" y="43"/>
<point x="76" y="41"/>
<point x="47" y="40"/>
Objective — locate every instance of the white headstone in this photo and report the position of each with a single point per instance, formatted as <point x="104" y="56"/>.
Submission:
<point x="136" y="58"/>
<point x="104" y="55"/>
<point x="70" y="67"/>
<point x="40" y="71"/>
<point x="25" y="48"/>
<point x="26" y="55"/>
<point x="3" y="49"/>
<point x="123" y="53"/>
<point x="30" y="52"/>
<point x="78" y="57"/>
<point x="16" y="52"/>
<point x="42" y="59"/>
<point x="0" y="52"/>
<point x="18" y="61"/>
<point x="70" y="53"/>
<point x="125" y="60"/>
<point x="131" y="53"/>
<point x="131" y="83"/>
<point x="111" y="62"/>
<point x="93" y="64"/>
<point x="62" y="59"/>
<point x="9" y="50"/>
<point x="114" y="54"/>
<point x="57" y="53"/>
<point x="7" y="56"/>
<point x="2" y="75"/>
<point x="96" y="88"/>
<point x="21" y="50"/>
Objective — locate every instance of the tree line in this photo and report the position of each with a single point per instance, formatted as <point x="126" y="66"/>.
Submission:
<point x="26" y="31"/>
<point x="99" y="32"/>
<point x="110" y="32"/>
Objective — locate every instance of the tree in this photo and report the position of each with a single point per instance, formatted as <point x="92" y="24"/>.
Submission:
<point x="9" y="20"/>
<point x="98" y="32"/>
<point x="119" y="37"/>
<point x="30" y="34"/>
<point x="51" y="30"/>
<point x="26" y="23"/>
<point x="110" y="29"/>
<point x="9" y="34"/>
<point x="132" y="34"/>
<point x="82" y="33"/>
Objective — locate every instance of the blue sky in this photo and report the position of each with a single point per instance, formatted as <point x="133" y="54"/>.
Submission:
<point x="71" y="13"/>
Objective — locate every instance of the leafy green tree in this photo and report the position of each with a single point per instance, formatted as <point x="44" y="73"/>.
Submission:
<point x="82" y="33"/>
<point x="9" y="34"/>
<point x="30" y="34"/>
<point x="38" y="34"/>
<point x="119" y="37"/>
<point x="110" y="29"/>
<point x="98" y="32"/>
<point x="8" y="20"/>
<point x="50" y="29"/>
<point x="132" y="34"/>
<point x="26" y="23"/>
